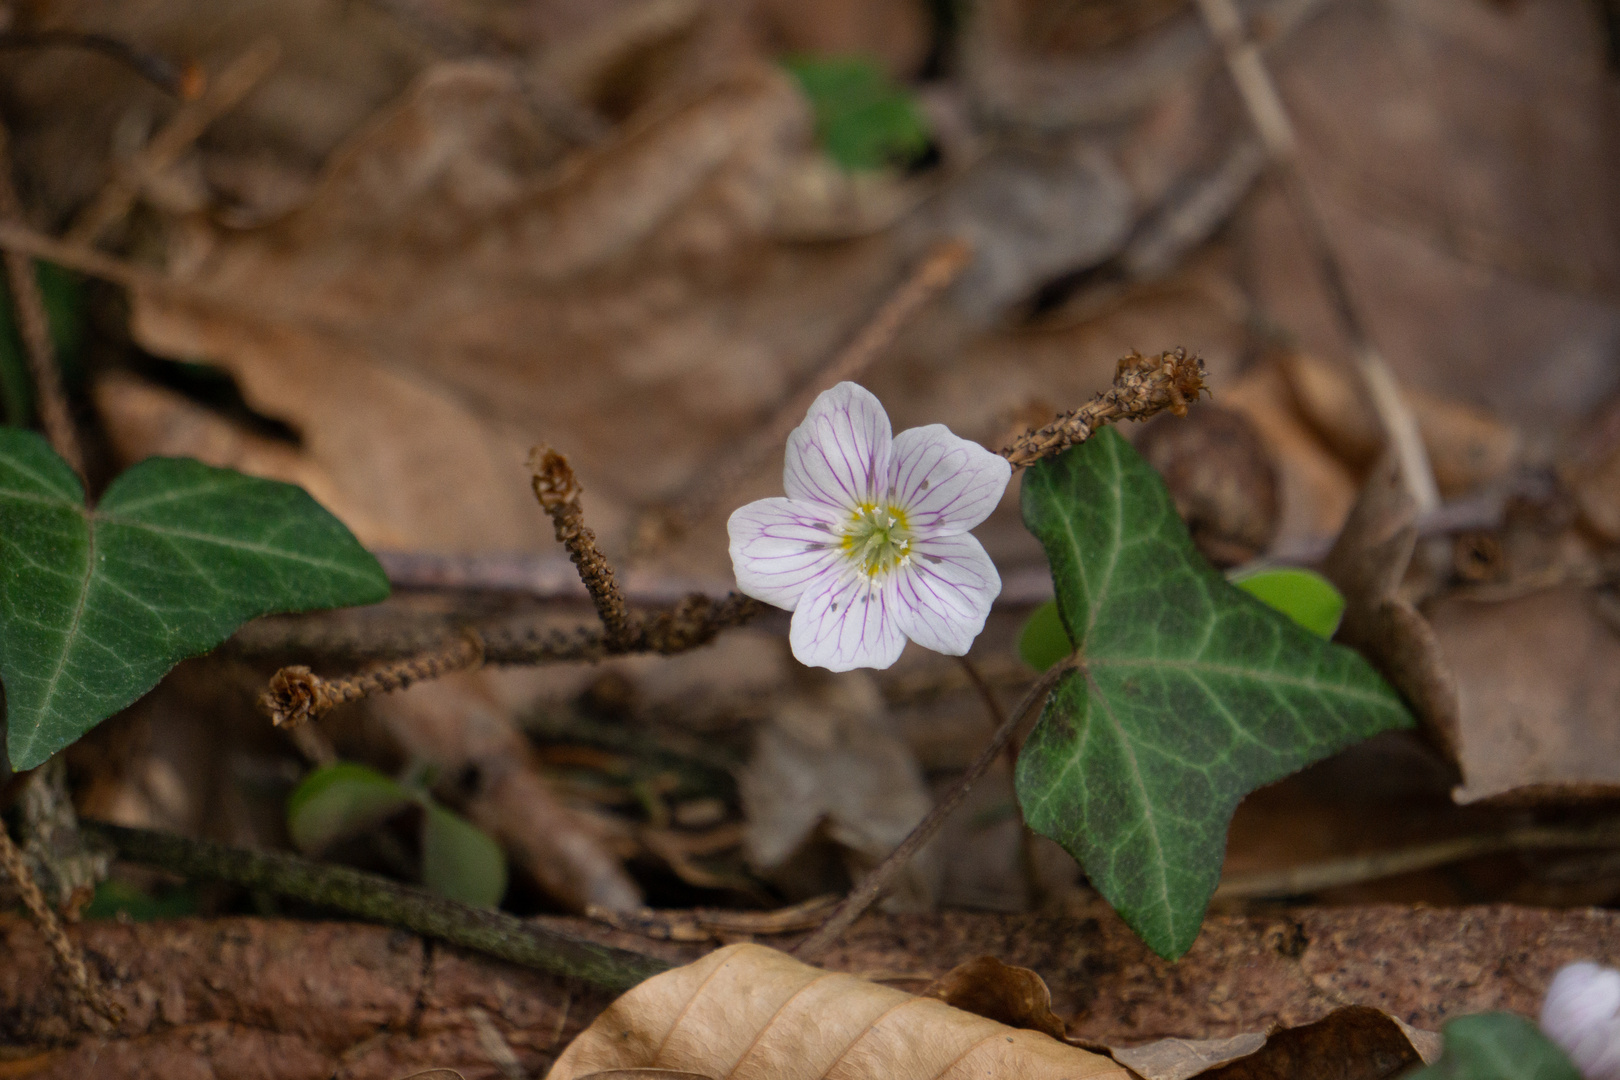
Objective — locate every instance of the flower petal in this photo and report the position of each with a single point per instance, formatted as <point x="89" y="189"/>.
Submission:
<point x="848" y="623"/>
<point x="946" y="484"/>
<point x="779" y="547"/>
<point x="839" y="456"/>
<point x="943" y="595"/>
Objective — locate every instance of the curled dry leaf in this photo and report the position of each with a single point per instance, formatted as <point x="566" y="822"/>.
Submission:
<point x="748" y="1012"/>
<point x="1366" y="565"/>
<point x="1015" y="996"/>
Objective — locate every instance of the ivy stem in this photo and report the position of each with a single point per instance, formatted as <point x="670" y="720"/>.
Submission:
<point x="376" y="899"/>
<point x="870" y="887"/>
<point x="68" y="955"/>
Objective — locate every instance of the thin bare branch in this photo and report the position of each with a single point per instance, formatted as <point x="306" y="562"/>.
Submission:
<point x="34" y="327"/>
<point x="1270" y="119"/>
<point x="872" y="886"/>
<point x="1143" y="386"/>
<point x="935" y="273"/>
<point x="223" y="93"/>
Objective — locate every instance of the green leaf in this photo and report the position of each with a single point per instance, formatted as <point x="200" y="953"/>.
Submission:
<point x="114" y="898"/>
<point x="96" y="605"/>
<point x="863" y="120"/>
<point x="1304" y="596"/>
<point x="1497" y="1046"/>
<point x="1043" y="641"/>
<point x="340" y="800"/>
<point x="460" y="861"/>
<point x="1189" y="693"/>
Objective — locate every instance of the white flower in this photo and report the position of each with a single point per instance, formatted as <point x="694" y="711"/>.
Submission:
<point x="870" y="547"/>
<point x="1582" y="1015"/>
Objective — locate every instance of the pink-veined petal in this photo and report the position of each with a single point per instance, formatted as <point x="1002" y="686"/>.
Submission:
<point x="945" y="484"/>
<point x="847" y="623"/>
<point x="943" y="595"/>
<point x="839" y="456"/>
<point x="779" y="547"/>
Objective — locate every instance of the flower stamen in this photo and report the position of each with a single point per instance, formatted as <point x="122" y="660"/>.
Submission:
<point x="877" y="539"/>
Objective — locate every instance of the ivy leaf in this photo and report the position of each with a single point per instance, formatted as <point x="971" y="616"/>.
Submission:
<point x="96" y="605"/>
<point x="1303" y="595"/>
<point x="1188" y="693"/>
<point x="1497" y="1046"/>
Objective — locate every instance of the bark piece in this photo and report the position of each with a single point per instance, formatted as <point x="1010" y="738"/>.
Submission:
<point x="282" y="1000"/>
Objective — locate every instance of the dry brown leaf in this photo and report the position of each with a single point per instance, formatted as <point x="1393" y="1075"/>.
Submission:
<point x="1538" y="683"/>
<point x="1352" y="1043"/>
<point x="1467" y="446"/>
<point x="1316" y="487"/>
<point x="1015" y="996"/>
<point x="827" y="763"/>
<point x="748" y="1012"/>
<point x="1367" y="563"/>
<point x="1221" y="477"/>
<point x="447" y="296"/>
<point x="1182" y="1059"/>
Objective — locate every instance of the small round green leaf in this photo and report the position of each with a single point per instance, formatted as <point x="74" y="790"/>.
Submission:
<point x="96" y="605"/>
<point x="1043" y="641"/>
<point x="1303" y="595"/>
<point x="460" y="861"/>
<point x="342" y="800"/>
<point x="1497" y="1046"/>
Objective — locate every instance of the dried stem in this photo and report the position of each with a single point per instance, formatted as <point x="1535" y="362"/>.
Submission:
<point x="34" y="327"/>
<point x="1270" y="119"/>
<point x="938" y="269"/>
<point x="870" y="887"/>
<point x="1143" y="386"/>
<point x="367" y="896"/>
<point x="558" y="490"/>
<point x="223" y="93"/>
<point x="67" y="954"/>
<point x="183" y="82"/>
<point x="1356" y="869"/>
<point x="297" y="695"/>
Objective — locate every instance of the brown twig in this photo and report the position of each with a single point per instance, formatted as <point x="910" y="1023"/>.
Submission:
<point x="34" y="327"/>
<point x="223" y="93"/>
<point x="1143" y="386"/>
<point x="1276" y="131"/>
<point x="558" y="490"/>
<point x="941" y="266"/>
<point x="67" y="954"/>
<point x="1356" y="869"/>
<point x="183" y="82"/>
<point x="296" y="694"/>
<point x="870" y="887"/>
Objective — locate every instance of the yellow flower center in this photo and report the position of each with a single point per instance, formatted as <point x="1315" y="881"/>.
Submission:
<point x="877" y="538"/>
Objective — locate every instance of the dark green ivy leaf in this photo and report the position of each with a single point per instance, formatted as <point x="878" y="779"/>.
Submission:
<point x="1497" y="1046"/>
<point x="96" y="605"/>
<point x="1188" y="693"/>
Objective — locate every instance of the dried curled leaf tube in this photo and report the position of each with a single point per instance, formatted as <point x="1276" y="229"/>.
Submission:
<point x="747" y="1012"/>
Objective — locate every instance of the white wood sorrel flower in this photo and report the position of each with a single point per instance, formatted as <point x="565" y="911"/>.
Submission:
<point x="1582" y="1015"/>
<point x="870" y="547"/>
